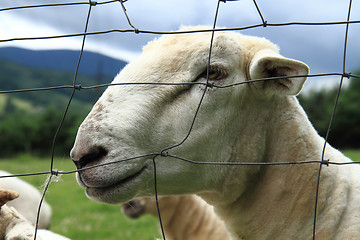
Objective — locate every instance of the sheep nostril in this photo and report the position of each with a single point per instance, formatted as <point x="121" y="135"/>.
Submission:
<point x="92" y="155"/>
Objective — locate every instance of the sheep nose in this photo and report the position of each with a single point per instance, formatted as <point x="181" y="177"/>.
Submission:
<point x="88" y="156"/>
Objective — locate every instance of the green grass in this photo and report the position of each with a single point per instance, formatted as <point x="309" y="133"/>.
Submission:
<point x="77" y="217"/>
<point x="353" y="154"/>
<point x="74" y="215"/>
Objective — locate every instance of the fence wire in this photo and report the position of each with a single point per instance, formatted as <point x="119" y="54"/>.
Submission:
<point x="164" y="153"/>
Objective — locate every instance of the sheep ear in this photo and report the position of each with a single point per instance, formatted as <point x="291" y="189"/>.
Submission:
<point x="268" y="63"/>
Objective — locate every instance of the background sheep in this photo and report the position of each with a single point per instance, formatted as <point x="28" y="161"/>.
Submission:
<point x="258" y="122"/>
<point x="28" y="202"/>
<point x="183" y="217"/>
<point x="14" y="226"/>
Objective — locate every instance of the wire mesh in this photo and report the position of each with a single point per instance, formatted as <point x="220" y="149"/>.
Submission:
<point x="76" y="87"/>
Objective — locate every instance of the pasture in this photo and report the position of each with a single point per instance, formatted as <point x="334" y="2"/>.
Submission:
<point x="74" y="215"/>
<point x="77" y="217"/>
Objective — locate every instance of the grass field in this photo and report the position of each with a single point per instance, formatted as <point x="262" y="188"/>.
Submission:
<point x="353" y="154"/>
<point x="77" y="217"/>
<point x="74" y="215"/>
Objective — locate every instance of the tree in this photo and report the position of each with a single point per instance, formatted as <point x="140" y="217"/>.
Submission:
<point x="345" y="129"/>
<point x="34" y="132"/>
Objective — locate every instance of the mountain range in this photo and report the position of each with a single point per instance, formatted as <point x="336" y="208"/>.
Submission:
<point x="92" y="64"/>
<point x="26" y="69"/>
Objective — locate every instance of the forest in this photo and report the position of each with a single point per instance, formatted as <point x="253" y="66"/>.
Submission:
<point x="345" y="129"/>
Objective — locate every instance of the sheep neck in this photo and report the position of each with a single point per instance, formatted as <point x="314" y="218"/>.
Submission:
<point x="276" y="200"/>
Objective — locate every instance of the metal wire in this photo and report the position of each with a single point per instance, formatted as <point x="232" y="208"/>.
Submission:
<point x="80" y="87"/>
<point x="93" y="3"/>
<point x="181" y="32"/>
<point x="63" y="119"/>
<point x="331" y="122"/>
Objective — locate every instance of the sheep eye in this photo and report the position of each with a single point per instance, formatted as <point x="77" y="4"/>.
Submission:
<point x="216" y="73"/>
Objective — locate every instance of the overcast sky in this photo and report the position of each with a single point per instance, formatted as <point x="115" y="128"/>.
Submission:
<point x="321" y="47"/>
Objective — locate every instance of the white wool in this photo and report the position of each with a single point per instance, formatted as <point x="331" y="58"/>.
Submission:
<point x="28" y="202"/>
<point x="15" y="226"/>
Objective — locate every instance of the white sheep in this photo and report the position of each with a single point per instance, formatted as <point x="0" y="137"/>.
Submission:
<point x="183" y="217"/>
<point x="254" y="122"/>
<point x="28" y="202"/>
<point x="14" y="226"/>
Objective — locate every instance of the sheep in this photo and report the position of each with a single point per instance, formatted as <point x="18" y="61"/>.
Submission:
<point x="134" y="128"/>
<point x="14" y="226"/>
<point x="183" y="217"/>
<point x="28" y="202"/>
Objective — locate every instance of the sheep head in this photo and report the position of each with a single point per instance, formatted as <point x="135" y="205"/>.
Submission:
<point x="7" y="195"/>
<point x="131" y="125"/>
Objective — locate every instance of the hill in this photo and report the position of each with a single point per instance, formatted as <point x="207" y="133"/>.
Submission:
<point x="29" y="120"/>
<point x="24" y="69"/>
<point x="16" y="76"/>
<point x="92" y="64"/>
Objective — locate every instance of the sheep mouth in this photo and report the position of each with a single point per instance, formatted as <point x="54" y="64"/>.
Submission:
<point x="95" y="191"/>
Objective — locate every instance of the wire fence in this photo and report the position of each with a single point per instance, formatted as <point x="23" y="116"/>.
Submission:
<point x="165" y="152"/>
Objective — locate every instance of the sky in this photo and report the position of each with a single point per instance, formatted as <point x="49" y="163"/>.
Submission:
<point x="321" y="47"/>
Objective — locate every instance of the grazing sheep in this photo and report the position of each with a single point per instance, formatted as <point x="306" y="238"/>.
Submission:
<point x="28" y="202"/>
<point x="14" y="226"/>
<point x="183" y="217"/>
<point x="257" y="122"/>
